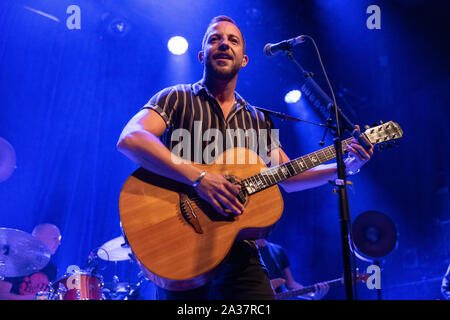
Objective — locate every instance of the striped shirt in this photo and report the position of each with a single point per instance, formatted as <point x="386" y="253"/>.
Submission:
<point x="198" y="131"/>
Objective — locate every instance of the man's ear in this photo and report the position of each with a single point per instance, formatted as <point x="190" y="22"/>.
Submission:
<point x="244" y="61"/>
<point x="200" y="57"/>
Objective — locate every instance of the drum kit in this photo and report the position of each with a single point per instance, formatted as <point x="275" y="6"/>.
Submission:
<point x="22" y="254"/>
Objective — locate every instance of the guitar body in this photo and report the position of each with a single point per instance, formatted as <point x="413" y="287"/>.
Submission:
<point x="179" y="240"/>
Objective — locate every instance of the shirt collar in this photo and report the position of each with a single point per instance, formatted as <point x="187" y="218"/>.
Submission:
<point x="200" y="86"/>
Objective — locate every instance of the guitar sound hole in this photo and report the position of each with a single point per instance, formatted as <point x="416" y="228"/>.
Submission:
<point x="242" y="195"/>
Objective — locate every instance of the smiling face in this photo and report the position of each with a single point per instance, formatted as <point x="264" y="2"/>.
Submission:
<point x="223" y="51"/>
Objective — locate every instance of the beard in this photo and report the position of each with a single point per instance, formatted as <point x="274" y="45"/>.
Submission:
<point x="226" y="73"/>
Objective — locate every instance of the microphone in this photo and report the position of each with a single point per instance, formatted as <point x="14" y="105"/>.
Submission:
<point x="272" y="49"/>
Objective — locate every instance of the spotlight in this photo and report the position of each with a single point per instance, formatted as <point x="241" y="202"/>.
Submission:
<point x="177" y="45"/>
<point x="292" y="96"/>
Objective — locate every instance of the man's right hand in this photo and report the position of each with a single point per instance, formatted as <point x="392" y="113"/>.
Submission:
<point x="220" y="193"/>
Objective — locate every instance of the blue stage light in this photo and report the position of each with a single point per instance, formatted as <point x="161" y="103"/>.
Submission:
<point x="292" y="96"/>
<point x="177" y="45"/>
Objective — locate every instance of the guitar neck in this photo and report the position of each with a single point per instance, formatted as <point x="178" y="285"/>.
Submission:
<point x="305" y="290"/>
<point x="284" y="171"/>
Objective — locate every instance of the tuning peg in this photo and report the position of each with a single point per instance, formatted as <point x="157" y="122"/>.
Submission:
<point x="381" y="147"/>
<point x="388" y="145"/>
<point x="374" y="125"/>
<point x="381" y="122"/>
<point x="366" y="127"/>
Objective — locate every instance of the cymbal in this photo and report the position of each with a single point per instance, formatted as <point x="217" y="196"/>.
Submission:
<point x="115" y="250"/>
<point x="7" y="160"/>
<point x="21" y="253"/>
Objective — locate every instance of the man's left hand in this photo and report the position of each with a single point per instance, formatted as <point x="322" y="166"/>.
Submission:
<point x="357" y="155"/>
<point x="321" y="290"/>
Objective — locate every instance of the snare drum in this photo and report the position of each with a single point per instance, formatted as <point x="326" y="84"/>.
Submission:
<point x="78" y="285"/>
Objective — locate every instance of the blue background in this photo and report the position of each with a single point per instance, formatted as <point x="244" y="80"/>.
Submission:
<point x="65" y="96"/>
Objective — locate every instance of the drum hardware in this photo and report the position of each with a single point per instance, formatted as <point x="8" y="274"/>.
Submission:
<point x="117" y="250"/>
<point x="92" y="261"/>
<point x="43" y="295"/>
<point x="117" y="290"/>
<point x="135" y="290"/>
<point x="61" y="292"/>
<point x="51" y="294"/>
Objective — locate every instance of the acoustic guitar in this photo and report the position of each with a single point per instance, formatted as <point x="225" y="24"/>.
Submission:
<point x="180" y="241"/>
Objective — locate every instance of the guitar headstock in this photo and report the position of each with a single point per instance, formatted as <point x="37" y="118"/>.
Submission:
<point x="382" y="134"/>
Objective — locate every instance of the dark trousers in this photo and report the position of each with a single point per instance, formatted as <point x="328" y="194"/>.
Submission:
<point x="242" y="277"/>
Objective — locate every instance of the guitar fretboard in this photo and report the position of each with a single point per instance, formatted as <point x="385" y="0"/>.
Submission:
<point x="303" y="291"/>
<point x="284" y="171"/>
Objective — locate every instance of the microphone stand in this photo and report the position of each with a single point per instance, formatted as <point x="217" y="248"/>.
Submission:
<point x="283" y="116"/>
<point x="340" y="182"/>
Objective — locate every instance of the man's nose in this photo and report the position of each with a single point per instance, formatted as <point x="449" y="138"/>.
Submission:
<point x="224" y="44"/>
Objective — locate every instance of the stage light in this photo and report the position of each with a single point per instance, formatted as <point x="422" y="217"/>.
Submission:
<point x="292" y="96"/>
<point x="177" y="45"/>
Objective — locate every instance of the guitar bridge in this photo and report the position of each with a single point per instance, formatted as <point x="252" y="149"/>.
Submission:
<point x="188" y="213"/>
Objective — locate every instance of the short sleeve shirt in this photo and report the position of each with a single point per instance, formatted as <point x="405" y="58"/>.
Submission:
<point x="275" y="259"/>
<point x="198" y="131"/>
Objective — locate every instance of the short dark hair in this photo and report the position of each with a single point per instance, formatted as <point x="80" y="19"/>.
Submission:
<point x="219" y="19"/>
